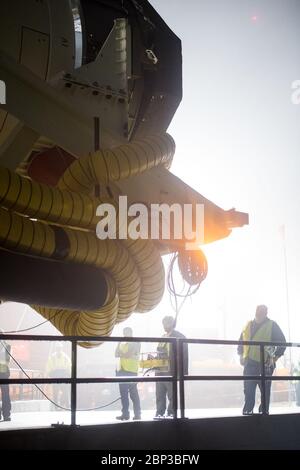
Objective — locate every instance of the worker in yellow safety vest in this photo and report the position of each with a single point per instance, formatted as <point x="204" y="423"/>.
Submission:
<point x="260" y="329"/>
<point x="4" y="374"/>
<point x="164" y="390"/>
<point x="129" y="357"/>
<point x="59" y="366"/>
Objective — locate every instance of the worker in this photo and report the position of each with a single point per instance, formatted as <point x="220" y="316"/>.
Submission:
<point x="129" y="356"/>
<point x="164" y="390"/>
<point x="59" y="366"/>
<point x="265" y="330"/>
<point x="296" y="373"/>
<point x="5" y="349"/>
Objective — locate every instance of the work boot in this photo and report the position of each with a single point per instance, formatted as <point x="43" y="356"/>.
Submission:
<point x="137" y="418"/>
<point x="7" y="418"/>
<point x="260" y="410"/>
<point x="123" y="417"/>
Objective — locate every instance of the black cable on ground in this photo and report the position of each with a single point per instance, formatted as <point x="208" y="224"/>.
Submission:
<point x="46" y="396"/>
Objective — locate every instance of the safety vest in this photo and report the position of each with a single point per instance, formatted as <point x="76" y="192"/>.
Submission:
<point x="58" y="361"/>
<point x="264" y="334"/>
<point x="129" y="364"/>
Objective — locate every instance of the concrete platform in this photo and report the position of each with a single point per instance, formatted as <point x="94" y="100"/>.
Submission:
<point x="44" y="419"/>
<point x="249" y="432"/>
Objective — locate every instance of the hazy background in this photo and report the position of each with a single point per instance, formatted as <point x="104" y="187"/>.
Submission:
<point x="238" y="139"/>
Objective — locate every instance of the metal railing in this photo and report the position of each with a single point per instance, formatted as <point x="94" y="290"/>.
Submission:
<point x="262" y="378"/>
<point x="22" y="392"/>
<point x="177" y="377"/>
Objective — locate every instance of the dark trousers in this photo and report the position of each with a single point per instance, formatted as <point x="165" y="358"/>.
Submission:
<point x="126" y="390"/>
<point x="6" y="403"/>
<point x="164" y="390"/>
<point x="253" y="368"/>
<point x="61" y="392"/>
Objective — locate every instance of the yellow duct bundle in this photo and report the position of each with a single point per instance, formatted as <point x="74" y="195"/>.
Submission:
<point x="134" y="269"/>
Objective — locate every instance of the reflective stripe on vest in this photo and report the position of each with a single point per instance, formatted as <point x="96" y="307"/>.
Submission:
<point x="129" y="364"/>
<point x="264" y="334"/>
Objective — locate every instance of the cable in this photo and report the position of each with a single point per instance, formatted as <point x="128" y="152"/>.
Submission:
<point x="150" y="369"/>
<point x="174" y="294"/>
<point x="103" y="406"/>
<point x="30" y="328"/>
<point x="45" y="395"/>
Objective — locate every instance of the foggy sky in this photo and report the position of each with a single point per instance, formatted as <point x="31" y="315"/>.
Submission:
<point x="238" y="140"/>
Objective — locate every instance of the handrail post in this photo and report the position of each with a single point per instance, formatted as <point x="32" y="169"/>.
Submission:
<point x="263" y="380"/>
<point x="74" y="383"/>
<point x="175" y="377"/>
<point x="181" y="379"/>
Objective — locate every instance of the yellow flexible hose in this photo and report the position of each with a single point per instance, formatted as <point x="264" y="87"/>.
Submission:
<point x="43" y="202"/>
<point x="134" y="269"/>
<point x="107" y="166"/>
